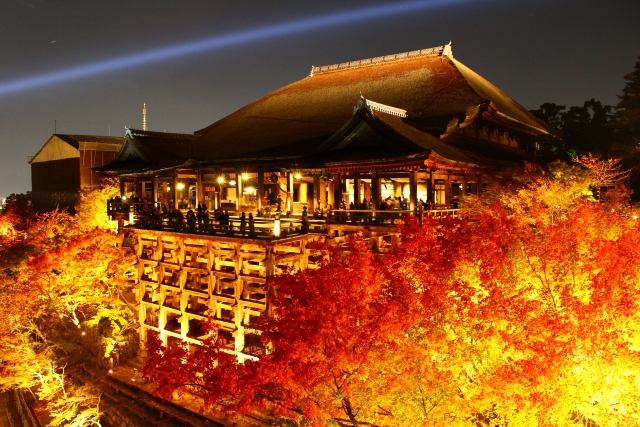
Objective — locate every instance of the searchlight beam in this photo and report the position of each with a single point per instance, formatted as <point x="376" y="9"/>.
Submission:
<point x="220" y="42"/>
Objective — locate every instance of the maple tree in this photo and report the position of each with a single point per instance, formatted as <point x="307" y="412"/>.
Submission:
<point x="59" y="287"/>
<point x="526" y="315"/>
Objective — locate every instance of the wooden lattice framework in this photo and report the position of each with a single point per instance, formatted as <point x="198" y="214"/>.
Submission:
<point x="183" y="278"/>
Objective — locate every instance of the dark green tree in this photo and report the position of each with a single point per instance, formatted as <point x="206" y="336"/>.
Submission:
<point x="627" y="123"/>
<point x="585" y="129"/>
<point x="627" y="127"/>
<point x="551" y="113"/>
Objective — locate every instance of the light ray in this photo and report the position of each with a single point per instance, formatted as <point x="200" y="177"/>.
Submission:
<point x="220" y="42"/>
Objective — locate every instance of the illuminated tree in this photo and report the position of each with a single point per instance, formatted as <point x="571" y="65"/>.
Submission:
<point x="59" y="286"/>
<point x="91" y="209"/>
<point x="526" y="315"/>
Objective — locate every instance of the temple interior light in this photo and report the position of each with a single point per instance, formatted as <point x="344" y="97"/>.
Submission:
<point x="232" y="182"/>
<point x="220" y="180"/>
<point x="180" y="186"/>
<point x="297" y="175"/>
<point x="245" y="176"/>
<point x="250" y="190"/>
<point x="276" y="227"/>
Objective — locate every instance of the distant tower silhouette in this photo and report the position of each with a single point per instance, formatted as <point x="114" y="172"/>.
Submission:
<point x="144" y="116"/>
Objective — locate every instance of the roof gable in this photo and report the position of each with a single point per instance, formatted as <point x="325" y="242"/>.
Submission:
<point x="364" y="137"/>
<point x="62" y="146"/>
<point x="501" y="103"/>
<point x="55" y="149"/>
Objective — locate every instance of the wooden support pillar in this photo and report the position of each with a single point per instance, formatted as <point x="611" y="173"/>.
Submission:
<point x="162" y="322"/>
<point x="121" y="184"/>
<point x="375" y="189"/>
<point x="316" y="200"/>
<point x="199" y="187"/>
<point x="136" y="188"/>
<point x="260" y="188"/>
<point x="289" y="192"/>
<point x="356" y="192"/>
<point x="239" y="191"/>
<point x="413" y="190"/>
<point x="397" y="189"/>
<point x="337" y="190"/>
<point x="175" y="189"/>
<point x="269" y="262"/>
<point x="304" y="262"/>
<point x="447" y="190"/>
<point x="303" y="193"/>
<point x="323" y="197"/>
<point x="184" y="319"/>
<point x="431" y="186"/>
<point x="154" y="190"/>
<point x="366" y="191"/>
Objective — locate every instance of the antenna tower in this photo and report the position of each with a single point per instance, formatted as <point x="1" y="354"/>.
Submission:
<point x="144" y="116"/>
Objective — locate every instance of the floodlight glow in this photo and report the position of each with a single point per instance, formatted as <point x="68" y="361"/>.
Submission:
<point x="180" y="186"/>
<point x="221" y="42"/>
<point x="220" y="180"/>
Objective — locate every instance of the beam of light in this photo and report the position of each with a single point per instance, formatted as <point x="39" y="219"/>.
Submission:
<point x="222" y="41"/>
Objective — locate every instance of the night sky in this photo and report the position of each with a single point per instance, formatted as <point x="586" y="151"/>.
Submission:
<point x="562" y="51"/>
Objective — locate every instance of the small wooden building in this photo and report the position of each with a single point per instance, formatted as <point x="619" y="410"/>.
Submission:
<point x="63" y="167"/>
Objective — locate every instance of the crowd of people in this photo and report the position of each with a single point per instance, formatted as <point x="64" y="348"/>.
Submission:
<point x="389" y="204"/>
<point x="157" y="214"/>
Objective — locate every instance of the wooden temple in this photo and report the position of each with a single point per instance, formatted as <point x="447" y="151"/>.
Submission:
<point x="353" y="147"/>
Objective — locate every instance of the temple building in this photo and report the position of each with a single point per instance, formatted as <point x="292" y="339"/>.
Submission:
<point x="352" y="147"/>
<point x="63" y="167"/>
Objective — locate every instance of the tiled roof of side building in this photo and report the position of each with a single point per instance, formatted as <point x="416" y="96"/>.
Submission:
<point x="145" y="150"/>
<point x="75" y="140"/>
<point x="427" y="86"/>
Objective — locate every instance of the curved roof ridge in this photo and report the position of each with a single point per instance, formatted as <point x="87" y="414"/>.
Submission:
<point x="438" y="50"/>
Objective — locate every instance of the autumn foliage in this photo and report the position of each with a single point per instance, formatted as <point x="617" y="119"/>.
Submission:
<point x="524" y="314"/>
<point x="59" y="285"/>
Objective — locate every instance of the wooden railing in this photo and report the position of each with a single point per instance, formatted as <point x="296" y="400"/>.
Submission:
<point x="387" y="217"/>
<point x="265" y="228"/>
